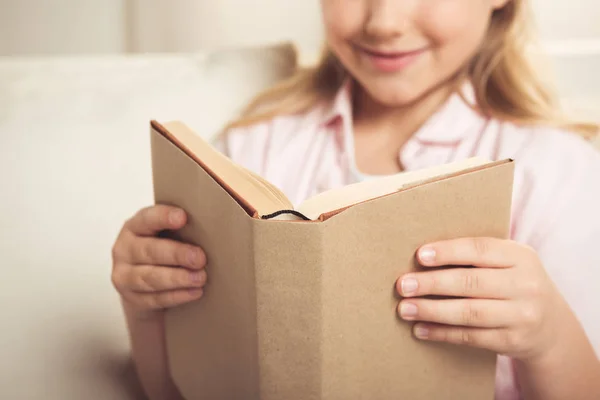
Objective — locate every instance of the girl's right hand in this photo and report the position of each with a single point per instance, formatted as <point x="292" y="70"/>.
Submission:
<point x="152" y="273"/>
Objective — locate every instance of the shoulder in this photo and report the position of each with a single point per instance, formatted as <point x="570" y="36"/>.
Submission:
<point x="541" y="139"/>
<point x="550" y="154"/>
<point x="556" y="179"/>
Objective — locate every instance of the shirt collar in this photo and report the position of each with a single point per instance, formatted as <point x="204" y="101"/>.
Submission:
<point x="341" y="106"/>
<point x="449" y="125"/>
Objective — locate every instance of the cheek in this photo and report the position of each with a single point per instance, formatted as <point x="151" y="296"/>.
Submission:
<point x="455" y="28"/>
<point x="342" y="19"/>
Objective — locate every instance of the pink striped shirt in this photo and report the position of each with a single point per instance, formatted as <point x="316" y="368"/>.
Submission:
<point x="556" y="203"/>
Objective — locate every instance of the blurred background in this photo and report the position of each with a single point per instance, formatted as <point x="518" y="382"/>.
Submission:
<point x="123" y="26"/>
<point x="34" y="27"/>
<point x="79" y="82"/>
<point x="569" y="30"/>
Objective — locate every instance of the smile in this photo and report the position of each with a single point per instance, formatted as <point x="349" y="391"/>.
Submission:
<point x="390" y="61"/>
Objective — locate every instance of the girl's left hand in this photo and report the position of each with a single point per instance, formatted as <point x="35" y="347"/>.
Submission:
<point x="506" y="304"/>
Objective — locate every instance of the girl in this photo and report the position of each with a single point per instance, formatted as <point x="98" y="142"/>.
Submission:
<point x="407" y="84"/>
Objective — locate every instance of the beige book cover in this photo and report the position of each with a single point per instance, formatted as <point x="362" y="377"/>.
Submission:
<point x="304" y="308"/>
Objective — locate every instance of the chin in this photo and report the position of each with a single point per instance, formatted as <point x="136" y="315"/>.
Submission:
<point x="393" y="95"/>
<point x="399" y="92"/>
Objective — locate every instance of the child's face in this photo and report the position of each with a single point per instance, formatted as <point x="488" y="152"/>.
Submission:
<point x="399" y="50"/>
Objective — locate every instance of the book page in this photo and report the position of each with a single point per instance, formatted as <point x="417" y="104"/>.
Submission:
<point x="346" y="196"/>
<point x="263" y="196"/>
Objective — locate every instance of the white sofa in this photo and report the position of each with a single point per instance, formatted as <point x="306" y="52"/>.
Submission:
<point x="74" y="162"/>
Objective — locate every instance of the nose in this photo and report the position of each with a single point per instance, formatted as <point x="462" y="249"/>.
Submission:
<point x="388" y="18"/>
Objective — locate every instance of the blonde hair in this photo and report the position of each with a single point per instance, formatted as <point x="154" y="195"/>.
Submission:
<point x="506" y="83"/>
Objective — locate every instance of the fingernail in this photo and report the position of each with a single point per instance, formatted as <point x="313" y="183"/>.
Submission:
<point x="408" y="310"/>
<point x="421" y="332"/>
<point x="409" y="286"/>
<point x="176" y="217"/>
<point x="427" y="254"/>
<point x="196" y="292"/>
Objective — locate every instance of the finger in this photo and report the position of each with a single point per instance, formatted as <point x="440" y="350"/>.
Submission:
<point x="154" y="251"/>
<point x="163" y="300"/>
<point x="460" y="312"/>
<point x="151" y="220"/>
<point x="151" y="278"/>
<point x="480" y="252"/>
<point x="459" y="282"/>
<point x="490" y="339"/>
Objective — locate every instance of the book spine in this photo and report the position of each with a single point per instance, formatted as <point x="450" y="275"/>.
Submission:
<point x="290" y="215"/>
<point x="288" y="265"/>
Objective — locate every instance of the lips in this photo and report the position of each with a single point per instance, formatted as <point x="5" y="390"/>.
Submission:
<point x="391" y="61"/>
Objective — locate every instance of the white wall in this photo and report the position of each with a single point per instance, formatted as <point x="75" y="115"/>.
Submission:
<point x="116" y="26"/>
<point x="567" y="19"/>
<point x="61" y="26"/>
<point x="187" y="25"/>
<point x="103" y="26"/>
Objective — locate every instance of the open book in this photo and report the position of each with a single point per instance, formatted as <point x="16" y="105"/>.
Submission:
<point x="266" y="201"/>
<point x="299" y="302"/>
